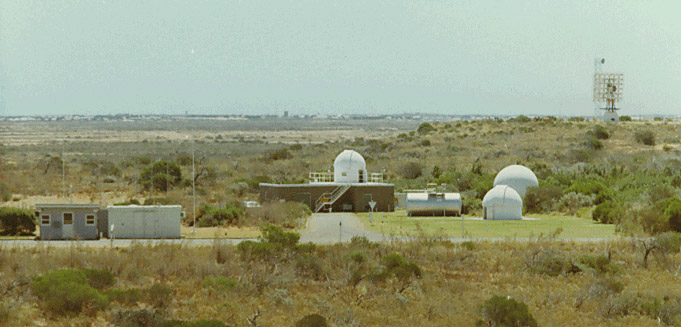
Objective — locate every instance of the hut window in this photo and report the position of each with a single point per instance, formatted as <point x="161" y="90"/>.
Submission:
<point x="344" y="174"/>
<point x="68" y="218"/>
<point x="89" y="219"/>
<point x="45" y="220"/>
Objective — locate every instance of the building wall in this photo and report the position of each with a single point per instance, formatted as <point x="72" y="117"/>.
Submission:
<point x="355" y="199"/>
<point x="502" y="212"/>
<point x="145" y="221"/>
<point x="56" y="230"/>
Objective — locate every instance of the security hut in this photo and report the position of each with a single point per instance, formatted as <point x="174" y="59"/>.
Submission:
<point x="502" y="203"/>
<point x="517" y="177"/>
<point x="433" y="204"/>
<point x="68" y="221"/>
<point x="142" y="221"/>
<point x="348" y="188"/>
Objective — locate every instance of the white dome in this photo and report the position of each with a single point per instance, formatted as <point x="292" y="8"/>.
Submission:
<point x="502" y="203"/>
<point x="518" y="177"/>
<point x="349" y="167"/>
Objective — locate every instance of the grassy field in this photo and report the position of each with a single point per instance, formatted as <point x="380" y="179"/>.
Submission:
<point x="397" y="223"/>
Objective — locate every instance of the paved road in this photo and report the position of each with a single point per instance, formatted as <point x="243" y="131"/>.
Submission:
<point x="322" y="228"/>
<point x="330" y="227"/>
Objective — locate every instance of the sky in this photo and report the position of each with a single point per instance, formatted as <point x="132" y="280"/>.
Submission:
<point x="331" y="57"/>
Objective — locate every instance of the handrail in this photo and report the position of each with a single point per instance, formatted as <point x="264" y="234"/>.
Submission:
<point x="331" y="198"/>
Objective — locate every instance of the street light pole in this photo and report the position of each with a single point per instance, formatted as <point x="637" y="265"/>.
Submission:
<point x="193" y="191"/>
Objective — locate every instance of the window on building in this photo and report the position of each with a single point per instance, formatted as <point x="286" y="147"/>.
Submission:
<point x="89" y="219"/>
<point x="37" y="213"/>
<point x="45" y="219"/>
<point x="68" y="218"/>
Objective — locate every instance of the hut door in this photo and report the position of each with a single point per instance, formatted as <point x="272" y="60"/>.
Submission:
<point x="484" y="213"/>
<point x="361" y="176"/>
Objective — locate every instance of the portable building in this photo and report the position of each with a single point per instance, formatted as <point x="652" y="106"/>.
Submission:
<point x="433" y="204"/>
<point x="143" y="221"/>
<point x="502" y="203"/>
<point x="68" y="221"/>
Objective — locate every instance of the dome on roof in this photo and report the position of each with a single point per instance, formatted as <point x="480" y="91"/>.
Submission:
<point x="518" y="177"/>
<point x="502" y="203"/>
<point x="349" y="167"/>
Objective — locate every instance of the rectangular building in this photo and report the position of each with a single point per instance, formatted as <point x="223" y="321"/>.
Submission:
<point x="351" y="197"/>
<point x="143" y="221"/>
<point x="68" y="221"/>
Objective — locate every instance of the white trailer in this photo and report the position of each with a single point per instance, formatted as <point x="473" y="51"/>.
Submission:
<point x="144" y="221"/>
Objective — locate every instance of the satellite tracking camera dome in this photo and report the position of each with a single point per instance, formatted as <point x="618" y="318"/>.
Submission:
<point x="349" y="167"/>
<point x="502" y="203"/>
<point x="517" y="177"/>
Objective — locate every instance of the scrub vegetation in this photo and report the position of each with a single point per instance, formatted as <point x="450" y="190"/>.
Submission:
<point x="277" y="281"/>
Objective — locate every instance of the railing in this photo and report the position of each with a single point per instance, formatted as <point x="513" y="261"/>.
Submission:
<point x="331" y="198"/>
<point x="327" y="177"/>
<point x="321" y="177"/>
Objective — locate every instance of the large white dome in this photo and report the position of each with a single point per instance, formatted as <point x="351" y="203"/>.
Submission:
<point x="518" y="177"/>
<point x="502" y="203"/>
<point x="349" y="167"/>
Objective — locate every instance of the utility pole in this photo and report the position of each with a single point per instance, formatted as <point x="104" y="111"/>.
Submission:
<point x="193" y="190"/>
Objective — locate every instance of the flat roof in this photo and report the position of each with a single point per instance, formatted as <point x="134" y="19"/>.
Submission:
<point x="68" y="205"/>
<point x="325" y="184"/>
<point x="146" y="206"/>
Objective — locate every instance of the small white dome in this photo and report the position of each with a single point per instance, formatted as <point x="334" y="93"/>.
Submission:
<point x="349" y="167"/>
<point x="502" y="203"/>
<point x="518" y="177"/>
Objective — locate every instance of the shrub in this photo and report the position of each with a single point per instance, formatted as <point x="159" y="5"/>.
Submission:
<point x="65" y="292"/>
<point x="593" y="143"/>
<point x="310" y="267"/>
<point x="280" y="154"/>
<point x="358" y="257"/>
<point x="16" y="222"/>
<point x="673" y="214"/>
<point x="436" y="172"/>
<point x="5" y="193"/>
<point x="601" y="133"/>
<point x="668" y="242"/>
<point x="159" y="295"/>
<point x="572" y="202"/>
<point x="411" y="170"/>
<point x="646" y="137"/>
<point x="211" y="216"/>
<point x="506" y="312"/>
<point x="396" y="265"/>
<point x="219" y="283"/>
<point x="284" y="214"/>
<point x="312" y="320"/>
<point x="425" y="128"/>
<point x="542" y="198"/>
<point x="361" y="242"/>
<point x="468" y="245"/>
<point x="136" y="318"/>
<point x="306" y="248"/>
<point x="98" y="278"/>
<point x="250" y="250"/>
<point x="552" y="264"/>
<point x="126" y="297"/>
<point x="625" y="118"/>
<point x="521" y="119"/>
<point x="163" y="173"/>
<point x="275" y="235"/>
<point x="608" y="212"/>
<point x="600" y="264"/>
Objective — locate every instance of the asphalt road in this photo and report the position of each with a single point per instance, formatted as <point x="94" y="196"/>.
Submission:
<point x="322" y="228"/>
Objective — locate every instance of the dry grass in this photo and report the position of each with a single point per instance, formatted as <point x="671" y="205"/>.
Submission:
<point x="456" y="280"/>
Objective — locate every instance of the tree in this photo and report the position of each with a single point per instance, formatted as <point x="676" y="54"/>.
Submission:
<point x="425" y="128"/>
<point x="16" y="222"/>
<point x="673" y="213"/>
<point x="163" y="173"/>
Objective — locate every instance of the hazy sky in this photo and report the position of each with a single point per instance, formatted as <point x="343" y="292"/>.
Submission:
<point x="230" y="57"/>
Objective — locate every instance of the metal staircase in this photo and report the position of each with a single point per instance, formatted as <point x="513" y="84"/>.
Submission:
<point x="328" y="199"/>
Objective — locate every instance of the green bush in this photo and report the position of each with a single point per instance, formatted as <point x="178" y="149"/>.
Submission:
<point x="646" y="137"/>
<point x="16" y="222"/>
<point x="163" y="173"/>
<point x="306" y="248"/>
<point x="5" y="193"/>
<point x="358" y="257"/>
<point x="211" y="216"/>
<point x="159" y="295"/>
<point x="673" y="214"/>
<point x="425" y="128"/>
<point x="312" y="320"/>
<point x="668" y="242"/>
<point x="98" y="278"/>
<point x="521" y="119"/>
<point x="542" y="198"/>
<point x="136" y="318"/>
<point x="126" y="297"/>
<point x="219" y="283"/>
<point x="505" y="312"/>
<point x="195" y="323"/>
<point x="593" y="143"/>
<point x="552" y="264"/>
<point x="608" y="212"/>
<point x="64" y="292"/>
<point x="250" y="250"/>
<point x="395" y="265"/>
<point x="276" y="235"/>
<point x="625" y="118"/>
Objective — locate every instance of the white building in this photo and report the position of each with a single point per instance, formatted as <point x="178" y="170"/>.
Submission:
<point x="517" y="177"/>
<point x="502" y="203"/>
<point x="144" y="221"/>
<point x="349" y="167"/>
